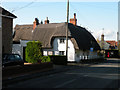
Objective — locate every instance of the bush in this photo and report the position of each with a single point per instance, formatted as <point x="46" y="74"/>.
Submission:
<point x="33" y="52"/>
<point x="45" y="59"/>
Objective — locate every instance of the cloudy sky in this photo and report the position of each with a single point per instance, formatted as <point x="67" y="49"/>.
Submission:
<point x="97" y="17"/>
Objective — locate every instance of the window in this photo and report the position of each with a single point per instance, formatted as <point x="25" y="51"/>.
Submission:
<point x="61" y="52"/>
<point x="45" y="53"/>
<point x="62" y="41"/>
<point x="11" y="57"/>
<point x="56" y="52"/>
<point x="50" y="52"/>
<point x="17" y="57"/>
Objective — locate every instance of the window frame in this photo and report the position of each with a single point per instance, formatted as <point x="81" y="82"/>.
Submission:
<point x="62" y="40"/>
<point x="62" y="53"/>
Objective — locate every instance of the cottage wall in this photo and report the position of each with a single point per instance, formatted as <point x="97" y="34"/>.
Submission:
<point x="59" y="47"/>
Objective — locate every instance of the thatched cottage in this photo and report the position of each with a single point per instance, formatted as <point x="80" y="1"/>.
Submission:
<point x="81" y="43"/>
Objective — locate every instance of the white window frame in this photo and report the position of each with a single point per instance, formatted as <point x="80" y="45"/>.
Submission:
<point x="62" y="40"/>
<point x="45" y="53"/>
<point x="50" y="52"/>
<point x="62" y="53"/>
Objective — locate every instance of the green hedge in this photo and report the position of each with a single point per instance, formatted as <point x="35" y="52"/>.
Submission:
<point x="33" y="52"/>
<point x="45" y="59"/>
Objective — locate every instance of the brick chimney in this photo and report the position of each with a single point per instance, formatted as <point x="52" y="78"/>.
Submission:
<point x="35" y="23"/>
<point x="74" y="20"/>
<point x="102" y="41"/>
<point x="46" y="21"/>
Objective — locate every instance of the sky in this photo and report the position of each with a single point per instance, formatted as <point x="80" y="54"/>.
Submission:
<point x="97" y="17"/>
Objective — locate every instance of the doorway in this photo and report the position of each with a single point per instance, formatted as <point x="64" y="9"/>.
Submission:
<point x="24" y="54"/>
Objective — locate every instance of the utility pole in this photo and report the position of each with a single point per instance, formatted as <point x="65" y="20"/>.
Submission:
<point x="118" y="45"/>
<point x="67" y="29"/>
<point x="118" y="40"/>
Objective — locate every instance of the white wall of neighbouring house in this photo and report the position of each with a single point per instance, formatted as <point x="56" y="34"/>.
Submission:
<point x="18" y="48"/>
<point x="86" y="55"/>
<point x="106" y="45"/>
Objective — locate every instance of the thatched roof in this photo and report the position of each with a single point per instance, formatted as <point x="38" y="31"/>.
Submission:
<point x="23" y="32"/>
<point x="45" y="33"/>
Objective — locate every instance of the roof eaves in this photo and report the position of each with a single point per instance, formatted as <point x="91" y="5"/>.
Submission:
<point x="6" y="13"/>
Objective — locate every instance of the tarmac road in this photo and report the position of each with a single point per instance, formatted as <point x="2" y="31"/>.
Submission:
<point x="96" y="76"/>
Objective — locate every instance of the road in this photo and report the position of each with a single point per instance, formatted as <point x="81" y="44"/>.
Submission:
<point x="101" y="75"/>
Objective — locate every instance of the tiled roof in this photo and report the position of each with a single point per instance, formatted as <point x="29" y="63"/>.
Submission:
<point x="112" y="43"/>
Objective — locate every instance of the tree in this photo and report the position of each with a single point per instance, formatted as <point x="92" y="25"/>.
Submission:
<point x="34" y="52"/>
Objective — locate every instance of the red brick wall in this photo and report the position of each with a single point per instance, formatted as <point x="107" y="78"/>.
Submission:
<point x="7" y="27"/>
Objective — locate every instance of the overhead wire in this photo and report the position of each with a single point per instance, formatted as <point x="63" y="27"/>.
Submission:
<point x="79" y="13"/>
<point x="24" y="6"/>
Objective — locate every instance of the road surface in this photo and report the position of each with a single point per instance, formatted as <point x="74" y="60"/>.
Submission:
<point x="101" y="76"/>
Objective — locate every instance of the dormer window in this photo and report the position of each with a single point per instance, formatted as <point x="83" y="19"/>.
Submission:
<point x="62" y="40"/>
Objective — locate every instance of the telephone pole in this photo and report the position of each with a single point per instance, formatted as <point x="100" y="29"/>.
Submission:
<point x="67" y="29"/>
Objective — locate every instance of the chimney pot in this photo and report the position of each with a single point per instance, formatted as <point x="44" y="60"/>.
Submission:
<point x="74" y="15"/>
<point x="34" y="25"/>
<point x="74" y="20"/>
<point x="46" y="21"/>
<point x="46" y="18"/>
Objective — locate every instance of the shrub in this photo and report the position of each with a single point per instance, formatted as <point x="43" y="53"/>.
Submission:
<point x="45" y="59"/>
<point x="33" y="52"/>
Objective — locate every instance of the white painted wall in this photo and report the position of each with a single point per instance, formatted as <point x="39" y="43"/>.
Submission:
<point x="86" y="55"/>
<point x="57" y="46"/>
<point x="18" y="48"/>
<point x="106" y="45"/>
<point x="62" y="47"/>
